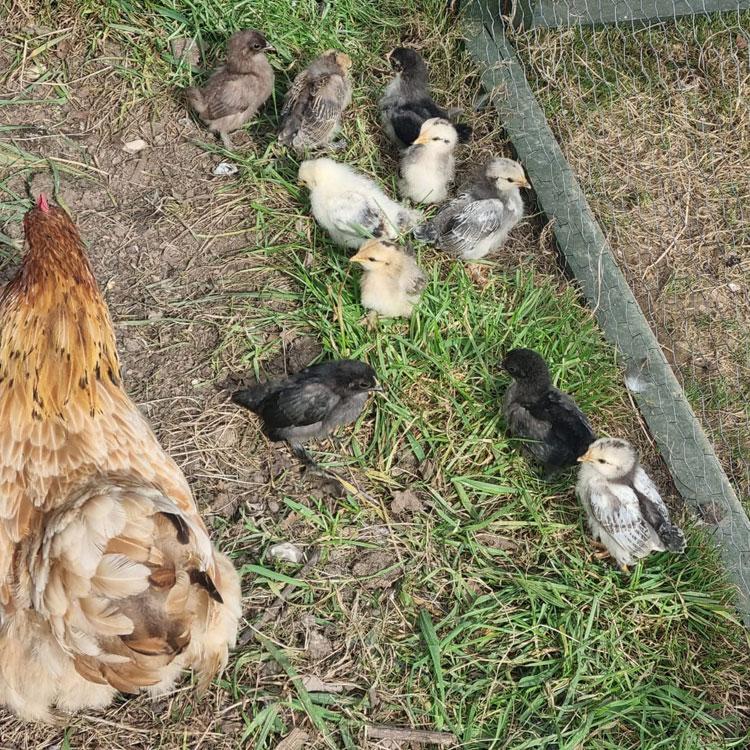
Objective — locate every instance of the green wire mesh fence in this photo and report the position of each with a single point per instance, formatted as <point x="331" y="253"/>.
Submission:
<point x="634" y="125"/>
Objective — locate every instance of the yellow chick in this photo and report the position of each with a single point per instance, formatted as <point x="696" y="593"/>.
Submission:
<point x="392" y="281"/>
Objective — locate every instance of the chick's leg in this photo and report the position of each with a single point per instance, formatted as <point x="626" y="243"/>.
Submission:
<point x="338" y="145"/>
<point x="227" y="141"/>
<point x="315" y="469"/>
<point x="370" y="321"/>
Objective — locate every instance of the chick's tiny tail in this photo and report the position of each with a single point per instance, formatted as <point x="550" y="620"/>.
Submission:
<point x="195" y="97"/>
<point x="464" y="132"/>
<point x="672" y="537"/>
<point x="426" y="232"/>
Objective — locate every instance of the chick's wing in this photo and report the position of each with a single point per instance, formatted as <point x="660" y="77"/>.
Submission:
<point x="227" y="95"/>
<point x="329" y="98"/>
<point x="475" y="221"/>
<point x="299" y="404"/>
<point x="616" y="509"/>
<point x="358" y="214"/>
<point x="567" y="421"/>
<point x="407" y="119"/>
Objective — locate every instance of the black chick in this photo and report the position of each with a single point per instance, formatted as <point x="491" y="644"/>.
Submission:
<point x="407" y="103"/>
<point x="557" y="430"/>
<point x="311" y="404"/>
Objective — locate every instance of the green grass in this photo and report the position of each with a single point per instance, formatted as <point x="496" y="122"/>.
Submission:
<point x="495" y="623"/>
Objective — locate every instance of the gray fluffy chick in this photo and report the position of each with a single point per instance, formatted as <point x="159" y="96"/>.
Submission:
<point x="311" y="404"/>
<point x="623" y="507"/>
<point x="236" y="91"/>
<point x="314" y="104"/>
<point x="480" y="218"/>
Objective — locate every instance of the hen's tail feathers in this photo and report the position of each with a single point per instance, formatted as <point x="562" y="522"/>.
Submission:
<point x="121" y="586"/>
<point x="195" y="97"/>
<point x="672" y="537"/>
<point x="464" y="132"/>
<point x="426" y="232"/>
<point x="252" y="398"/>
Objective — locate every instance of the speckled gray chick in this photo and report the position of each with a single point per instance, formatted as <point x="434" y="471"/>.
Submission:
<point x="312" y="111"/>
<point x="480" y="218"/>
<point x="623" y="507"/>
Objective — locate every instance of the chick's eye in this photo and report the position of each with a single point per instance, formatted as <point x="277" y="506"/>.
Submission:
<point x="374" y="260"/>
<point x="437" y="139"/>
<point x="601" y="460"/>
<point x="256" y="45"/>
<point x="509" y="179"/>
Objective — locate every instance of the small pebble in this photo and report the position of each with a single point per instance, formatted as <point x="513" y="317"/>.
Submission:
<point x="287" y="551"/>
<point x="225" y="169"/>
<point x="133" y="147"/>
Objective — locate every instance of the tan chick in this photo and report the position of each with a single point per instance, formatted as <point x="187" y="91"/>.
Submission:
<point x="236" y="91"/>
<point x="391" y="283"/>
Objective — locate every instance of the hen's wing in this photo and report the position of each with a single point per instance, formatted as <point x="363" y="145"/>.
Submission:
<point x="475" y="221"/>
<point x="226" y="95"/>
<point x="298" y="405"/>
<point x="615" y="507"/>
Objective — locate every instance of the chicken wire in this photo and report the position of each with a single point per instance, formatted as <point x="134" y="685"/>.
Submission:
<point x="636" y="137"/>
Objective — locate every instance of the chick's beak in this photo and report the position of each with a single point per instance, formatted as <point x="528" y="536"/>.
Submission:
<point x="524" y="183"/>
<point x="269" y="48"/>
<point x="423" y="139"/>
<point x="585" y="458"/>
<point x="356" y="259"/>
<point x="377" y="389"/>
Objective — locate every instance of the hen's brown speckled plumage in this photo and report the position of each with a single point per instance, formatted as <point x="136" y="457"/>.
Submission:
<point x="108" y="580"/>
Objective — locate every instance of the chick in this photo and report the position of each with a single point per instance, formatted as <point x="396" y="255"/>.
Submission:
<point x="350" y="206"/>
<point x="557" y="430"/>
<point x="392" y="282"/>
<point x="428" y="165"/>
<point x="406" y="102"/>
<point x="314" y="104"/>
<point x="480" y="218"/>
<point x="237" y="90"/>
<point x="311" y="404"/>
<point x="623" y="507"/>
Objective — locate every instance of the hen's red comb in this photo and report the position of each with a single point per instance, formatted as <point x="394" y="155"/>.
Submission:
<point x="41" y="203"/>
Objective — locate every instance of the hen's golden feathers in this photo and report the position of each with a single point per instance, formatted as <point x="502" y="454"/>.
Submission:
<point x="108" y="580"/>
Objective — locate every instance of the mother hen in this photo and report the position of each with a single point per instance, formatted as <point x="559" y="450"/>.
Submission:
<point x="108" y="579"/>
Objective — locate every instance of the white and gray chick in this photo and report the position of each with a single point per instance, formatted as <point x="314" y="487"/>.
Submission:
<point x="350" y="206"/>
<point x="237" y="90"/>
<point x="391" y="283"/>
<point x="479" y="219"/>
<point x="406" y="102"/>
<point x="556" y="430"/>
<point x="623" y="507"/>
<point x="311" y="116"/>
<point x="428" y="166"/>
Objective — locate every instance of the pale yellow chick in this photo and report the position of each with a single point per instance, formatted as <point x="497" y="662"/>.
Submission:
<point x="392" y="281"/>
